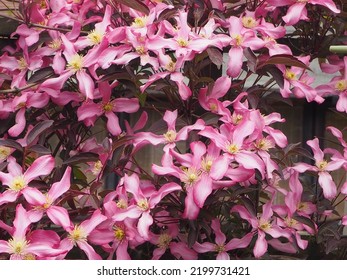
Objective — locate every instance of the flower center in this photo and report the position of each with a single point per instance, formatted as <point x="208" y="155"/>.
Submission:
<point x="95" y="37"/>
<point x="191" y="175"/>
<point x="171" y="66"/>
<point x="249" y="22"/>
<point x="164" y="241"/>
<point x="220" y="248"/>
<point x="97" y="167"/>
<point x="29" y="257"/>
<point x="122" y="204"/>
<point x="238" y="39"/>
<point x="237" y="118"/>
<point x="141" y="50"/>
<point x="77" y="234"/>
<point x="140" y="22"/>
<point x="182" y="42"/>
<point x="76" y="63"/>
<point x="108" y="107"/>
<point x="4" y="152"/>
<point x="322" y="165"/>
<point x="22" y="64"/>
<point x="290" y="222"/>
<point x="17" y="246"/>
<point x="341" y="85"/>
<point x="55" y="44"/>
<point x="143" y="204"/>
<point x="264" y="225"/>
<point x="290" y="75"/>
<point x="232" y="148"/>
<point x="119" y="233"/>
<point x="18" y="183"/>
<point x="170" y="136"/>
<point x="264" y="144"/>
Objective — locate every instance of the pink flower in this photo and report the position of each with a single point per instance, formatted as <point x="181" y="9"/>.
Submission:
<point x="261" y="226"/>
<point x="322" y="167"/>
<point x="143" y="204"/>
<point x="78" y="235"/>
<point x="220" y="246"/>
<point x="17" y="181"/>
<point x="44" y="203"/>
<point x="88" y="111"/>
<point x="39" y="244"/>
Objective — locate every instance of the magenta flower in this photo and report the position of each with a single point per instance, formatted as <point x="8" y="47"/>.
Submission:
<point x="88" y="111"/>
<point x="143" y="204"/>
<point x="44" y="203"/>
<point x="322" y="167"/>
<point x="262" y="226"/>
<point x="78" y="235"/>
<point x="17" y="181"/>
<point x="221" y="247"/>
<point x="39" y="244"/>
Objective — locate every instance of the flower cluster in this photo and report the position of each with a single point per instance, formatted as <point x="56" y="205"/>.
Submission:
<point x="89" y="85"/>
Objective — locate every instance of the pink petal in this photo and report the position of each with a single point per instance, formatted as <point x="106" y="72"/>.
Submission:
<point x="4" y="247"/>
<point x="18" y="128"/>
<point x="59" y="216"/>
<point x="220" y="236"/>
<point x="202" y="189"/>
<point x="88" y="110"/>
<point x="95" y="219"/>
<point x="326" y="182"/>
<point x="317" y="152"/>
<point x="158" y="253"/>
<point x="21" y="222"/>
<point x="204" y="247"/>
<point x="163" y="191"/>
<point x="101" y="236"/>
<point x="113" y="124"/>
<point x="122" y="251"/>
<point x="40" y="167"/>
<point x="128" y="105"/>
<point x="8" y="196"/>
<point x="86" y="84"/>
<point x="223" y="256"/>
<point x="143" y="225"/>
<point x="237" y="243"/>
<point x="295" y="13"/>
<point x="191" y="210"/>
<point x="34" y="196"/>
<point x="62" y="186"/>
<point x="181" y="250"/>
<point x="235" y="62"/>
<point x="219" y="168"/>
<point x="90" y="252"/>
<point x="170" y="118"/>
<point x="260" y="247"/>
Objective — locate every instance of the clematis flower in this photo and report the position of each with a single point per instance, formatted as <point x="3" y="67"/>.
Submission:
<point x="322" y="167"/>
<point x="143" y="204"/>
<point x="221" y="247"/>
<point x="297" y="9"/>
<point x="44" y="203"/>
<point x="17" y="181"/>
<point x="78" y="235"/>
<point x="262" y="226"/>
<point x="88" y="111"/>
<point x="24" y="245"/>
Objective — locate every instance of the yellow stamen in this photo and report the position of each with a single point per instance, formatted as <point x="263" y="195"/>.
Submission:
<point x="290" y="75"/>
<point x="119" y="233"/>
<point x="108" y="107"/>
<point x="264" y="144"/>
<point x="22" y="64"/>
<point x="17" y="246"/>
<point x="264" y="225"/>
<point x="170" y="136"/>
<point x="182" y="42"/>
<point x="4" y="152"/>
<point x="55" y="44"/>
<point x="76" y="63"/>
<point x="164" y="241"/>
<point x="191" y="175"/>
<point x="143" y="204"/>
<point x="220" y="248"/>
<point x="341" y="85"/>
<point x="232" y="148"/>
<point x="122" y="204"/>
<point x="18" y="183"/>
<point x="77" y="234"/>
<point x="322" y="165"/>
<point x="238" y="39"/>
<point x="95" y="37"/>
<point x="140" y="22"/>
<point x="206" y="163"/>
<point x="171" y="66"/>
<point x="249" y="22"/>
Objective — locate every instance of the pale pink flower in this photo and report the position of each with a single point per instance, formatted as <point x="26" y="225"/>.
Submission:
<point x="17" y="181"/>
